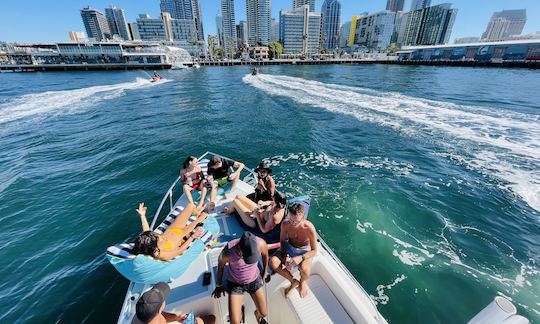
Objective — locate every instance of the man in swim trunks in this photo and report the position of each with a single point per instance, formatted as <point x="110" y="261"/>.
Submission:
<point x="150" y="306"/>
<point x="243" y="275"/>
<point x="298" y="240"/>
<point x="220" y="172"/>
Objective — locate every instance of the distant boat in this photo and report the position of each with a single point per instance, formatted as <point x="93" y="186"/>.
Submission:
<point x="196" y="65"/>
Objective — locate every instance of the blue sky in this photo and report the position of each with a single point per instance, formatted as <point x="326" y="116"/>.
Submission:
<point x="34" y="21"/>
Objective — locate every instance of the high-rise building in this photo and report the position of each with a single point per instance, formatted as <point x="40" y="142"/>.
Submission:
<point x="219" y="29"/>
<point x="375" y="30"/>
<point x="344" y="34"/>
<point x="185" y="9"/>
<point x="467" y="40"/>
<point x="395" y="5"/>
<point x="352" y="32"/>
<point x="300" y="31"/>
<point x="331" y="14"/>
<point x="117" y="22"/>
<point x="274" y="30"/>
<point x="134" y="31"/>
<point x="229" y="27"/>
<point x="504" y="24"/>
<point x="428" y="26"/>
<point x="77" y="36"/>
<point x="420" y="4"/>
<point x="242" y="33"/>
<point x="95" y="23"/>
<point x="300" y="3"/>
<point x="166" y="29"/>
<point x="258" y="22"/>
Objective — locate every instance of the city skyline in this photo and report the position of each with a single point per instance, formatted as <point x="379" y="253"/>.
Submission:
<point x="54" y="23"/>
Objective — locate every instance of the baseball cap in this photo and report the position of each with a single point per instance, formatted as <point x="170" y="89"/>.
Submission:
<point x="249" y="247"/>
<point x="150" y="302"/>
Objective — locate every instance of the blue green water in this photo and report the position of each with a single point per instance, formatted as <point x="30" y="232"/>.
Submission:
<point x="425" y="180"/>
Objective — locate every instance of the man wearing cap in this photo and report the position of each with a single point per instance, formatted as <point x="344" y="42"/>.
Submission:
<point x="220" y="172"/>
<point x="150" y="307"/>
<point x="243" y="275"/>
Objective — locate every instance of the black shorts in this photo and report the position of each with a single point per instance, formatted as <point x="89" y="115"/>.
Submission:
<point x="234" y="288"/>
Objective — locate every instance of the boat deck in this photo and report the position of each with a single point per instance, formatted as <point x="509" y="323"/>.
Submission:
<point x="334" y="297"/>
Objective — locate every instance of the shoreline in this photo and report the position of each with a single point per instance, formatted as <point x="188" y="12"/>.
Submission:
<point x="162" y="66"/>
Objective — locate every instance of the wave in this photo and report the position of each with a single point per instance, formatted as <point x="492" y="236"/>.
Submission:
<point x="496" y="142"/>
<point x="65" y="100"/>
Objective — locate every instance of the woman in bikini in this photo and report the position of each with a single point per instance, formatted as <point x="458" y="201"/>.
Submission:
<point x="193" y="178"/>
<point x="174" y="241"/>
<point x="266" y="186"/>
<point x="265" y="215"/>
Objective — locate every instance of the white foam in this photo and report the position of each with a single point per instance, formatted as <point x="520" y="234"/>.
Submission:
<point x="382" y="298"/>
<point x="408" y="258"/>
<point x="65" y="100"/>
<point x="503" y="143"/>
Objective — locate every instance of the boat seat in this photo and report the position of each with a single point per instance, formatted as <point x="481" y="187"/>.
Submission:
<point x="319" y="306"/>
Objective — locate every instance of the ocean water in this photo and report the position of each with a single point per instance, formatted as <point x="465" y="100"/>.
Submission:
<point x="425" y="180"/>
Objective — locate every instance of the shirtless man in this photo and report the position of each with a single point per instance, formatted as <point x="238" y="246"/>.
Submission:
<point x="298" y="240"/>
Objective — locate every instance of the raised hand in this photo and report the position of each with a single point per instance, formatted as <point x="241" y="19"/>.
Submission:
<point x="141" y="210"/>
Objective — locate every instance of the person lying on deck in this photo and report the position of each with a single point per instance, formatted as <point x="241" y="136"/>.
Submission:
<point x="220" y="172"/>
<point x="298" y="240"/>
<point x="176" y="238"/>
<point x="192" y="177"/>
<point x="265" y="215"/>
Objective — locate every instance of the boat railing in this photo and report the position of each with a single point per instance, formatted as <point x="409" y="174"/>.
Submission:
<point x="349" y="274"/>
<point x="250" y="178"/>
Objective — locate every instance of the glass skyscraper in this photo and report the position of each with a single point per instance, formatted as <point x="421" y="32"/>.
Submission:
<point x="185" y="9"/>
<point x="504" y="24"/>
<point x="395" y="5"/>
<point x="258" y="22"/>
<point x="117" y="22"/>
<point x="331" y="15"/>
<point x="300" y="3"/>
<point x="95" y="23"/>
<point x="229" y="27"/>
<point x="428" y="26"/>
<point x="420" y="4"/>
<point x="300" y="31"/>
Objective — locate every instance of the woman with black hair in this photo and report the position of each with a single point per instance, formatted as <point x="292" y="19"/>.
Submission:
<point x="193" y="178"/>
<point x="176" y="238"/>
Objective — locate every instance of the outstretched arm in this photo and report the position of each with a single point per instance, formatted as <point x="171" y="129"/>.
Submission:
<point x="142" y="213"/>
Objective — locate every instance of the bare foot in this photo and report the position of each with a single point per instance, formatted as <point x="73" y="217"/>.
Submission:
<point x="259" y="318"/>
<point x="293" y="285"/>
<point x="303" y="289"/>
<point x="228" y="210"/>
<point x="199" y="210"/>
<point x="228" y="195"/>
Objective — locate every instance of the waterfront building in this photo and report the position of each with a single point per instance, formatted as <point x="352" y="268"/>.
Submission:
<point x="77" y="36"/>
<point x="300" y="3"/>
<point x="420" y="4"/>
<point x="494" y="51"/>
<point x="185" y="9"/>
<point x="300" y="31"/>
<point x="258" y="22"/>
<point x="331" y="15"/>
<point x="352" y="32"/>
<point x="428" y="26"/>
<point x="96" y="24"/>
<point x="344" y="34"/>
<point x="504" y="24"/>
<point x="183" y="30"/>
<point x="395" y="5"/>
<point x="230" y="38"/>
<point x="117" y="22"/>
<point x="274" y="30"/>
<point x="134" y="31"/>
<point x="375" y="30"/>
<point x="466" y="40"/>
<point x="213" y="45"/>
<point x="242" y="32"/>
<point x="151" y="29"/>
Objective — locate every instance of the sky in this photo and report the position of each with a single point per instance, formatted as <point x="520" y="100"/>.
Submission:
<point x="39" y="21"/>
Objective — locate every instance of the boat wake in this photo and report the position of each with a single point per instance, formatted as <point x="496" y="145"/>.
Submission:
<point x="65" y="100"/>
<point x="500" y="144"/>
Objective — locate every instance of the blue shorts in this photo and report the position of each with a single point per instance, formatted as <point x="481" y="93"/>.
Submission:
<point x="293" y="251"/>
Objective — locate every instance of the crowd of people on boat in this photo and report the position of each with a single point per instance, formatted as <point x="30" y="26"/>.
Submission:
<point x="264" y="210"/>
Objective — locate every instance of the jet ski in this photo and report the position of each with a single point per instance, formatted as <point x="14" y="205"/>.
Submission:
<point x="255" y="71"/>
<point x="156" y="78"/>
